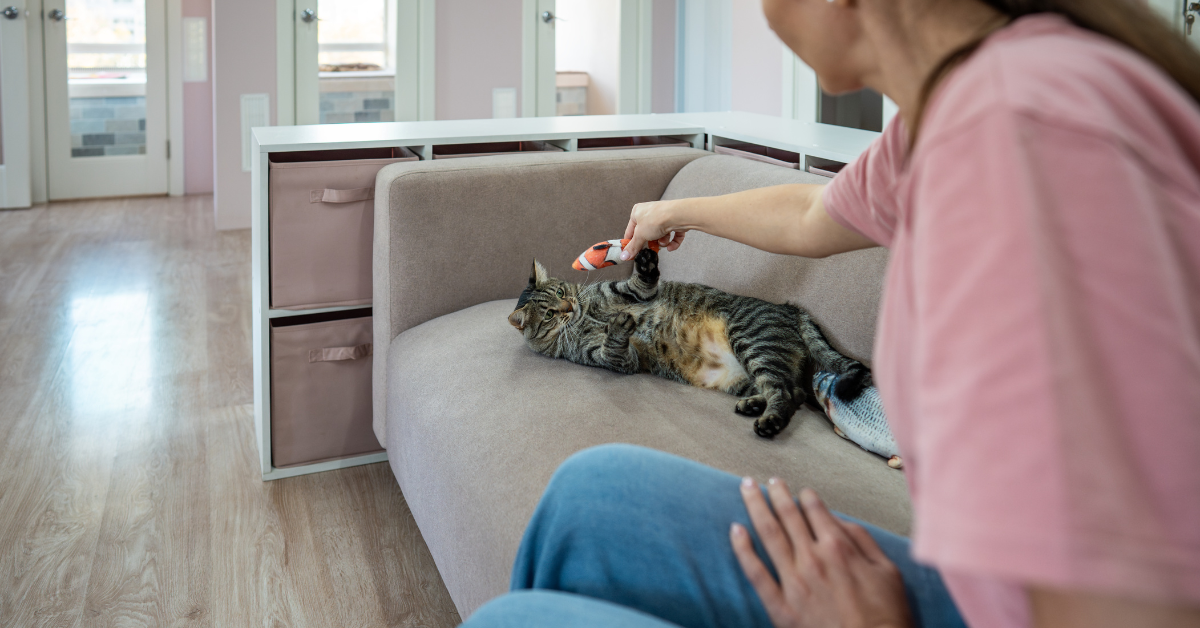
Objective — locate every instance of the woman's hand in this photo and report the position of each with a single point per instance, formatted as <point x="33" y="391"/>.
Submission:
<point x="831" y="572"/>
<point x="649" y="222"/>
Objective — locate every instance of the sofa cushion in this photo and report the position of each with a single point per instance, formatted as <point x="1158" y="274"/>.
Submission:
<point x="842" y="292"/>
<point x="477" y="423"/>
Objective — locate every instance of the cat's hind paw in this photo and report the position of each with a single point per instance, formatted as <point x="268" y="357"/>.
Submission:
<point x="751" y="406"/>
<point x="770" y="425"/>
<point x="851" y="385"/>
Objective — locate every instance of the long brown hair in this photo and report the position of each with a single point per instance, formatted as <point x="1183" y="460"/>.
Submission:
<point x="1129" y="22"/>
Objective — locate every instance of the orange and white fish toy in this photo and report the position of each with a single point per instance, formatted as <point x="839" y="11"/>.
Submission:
<point x="606" y="254"/>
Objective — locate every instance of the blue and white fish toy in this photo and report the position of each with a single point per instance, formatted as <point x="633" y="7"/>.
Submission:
<point x="861" y="421"/>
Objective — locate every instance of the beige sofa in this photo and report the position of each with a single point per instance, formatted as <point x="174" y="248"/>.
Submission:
<point x="475" y="423"/>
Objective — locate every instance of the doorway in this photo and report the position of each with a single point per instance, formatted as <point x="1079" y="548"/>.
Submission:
<point x="106" y="97"/>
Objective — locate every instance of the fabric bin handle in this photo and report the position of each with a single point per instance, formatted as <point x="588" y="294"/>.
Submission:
<point x="335" y="354"/>
<point x="341" y="196"/>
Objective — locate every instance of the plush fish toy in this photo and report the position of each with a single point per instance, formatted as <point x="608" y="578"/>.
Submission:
<point x="861" y="421"/>
<point x="605" y="254"/>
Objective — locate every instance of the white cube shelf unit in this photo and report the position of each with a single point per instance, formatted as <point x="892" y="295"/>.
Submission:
<point x="827" y="145"/>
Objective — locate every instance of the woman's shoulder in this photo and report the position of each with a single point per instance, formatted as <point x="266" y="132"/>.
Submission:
<point x="1044" y="68"/>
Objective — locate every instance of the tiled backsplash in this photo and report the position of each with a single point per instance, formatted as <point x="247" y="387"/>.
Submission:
<point x="338" y="107"/>
<point x="108" y="126"/>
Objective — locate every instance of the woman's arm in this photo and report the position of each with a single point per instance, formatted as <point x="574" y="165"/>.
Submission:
<point x="787" y="219"/>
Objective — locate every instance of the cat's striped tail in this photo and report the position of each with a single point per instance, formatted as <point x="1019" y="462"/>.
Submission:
<point x="856" y="374"/>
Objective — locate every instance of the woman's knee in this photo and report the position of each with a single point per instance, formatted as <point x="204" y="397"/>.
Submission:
<point x="612" y="467"/>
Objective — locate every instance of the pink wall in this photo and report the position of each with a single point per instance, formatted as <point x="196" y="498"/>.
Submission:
<point x="757" y="79"/>
<point x="662" y="57"/>
<point x="243" y="33"/>
<point x="478" y="47"/>
<point x="198" y="116"/>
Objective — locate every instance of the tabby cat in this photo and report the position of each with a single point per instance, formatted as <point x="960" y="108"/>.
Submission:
<point x="688" y="333"/>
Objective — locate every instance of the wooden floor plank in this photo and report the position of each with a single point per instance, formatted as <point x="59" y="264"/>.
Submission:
<point x="129" y="488"/>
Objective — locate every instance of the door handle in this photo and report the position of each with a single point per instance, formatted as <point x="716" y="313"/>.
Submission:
<point x="11" y="13"/>
<point x="308" y="15"/>
<point x="57" y="15"/>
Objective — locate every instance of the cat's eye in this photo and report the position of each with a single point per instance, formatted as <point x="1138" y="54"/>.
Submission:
<point x="560" y="293"/>
<point x="549" y="314"/>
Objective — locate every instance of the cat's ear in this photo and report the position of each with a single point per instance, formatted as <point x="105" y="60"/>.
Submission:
<point x="538" y="275"/>
<point x="517" y="318"/>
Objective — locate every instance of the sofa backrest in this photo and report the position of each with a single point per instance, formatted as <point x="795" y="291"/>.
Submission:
<point x="842" y="292"/>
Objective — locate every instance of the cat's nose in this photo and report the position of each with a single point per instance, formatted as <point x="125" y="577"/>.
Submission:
<point x="567" y="306"/>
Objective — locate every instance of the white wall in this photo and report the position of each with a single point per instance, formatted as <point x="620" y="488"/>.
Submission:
<point x="478" y="48"/>
<point x="243" y="63"/>
<point x="587" y="39"/>
<point x="662" y="73"/>
<point x="757" y="61"/>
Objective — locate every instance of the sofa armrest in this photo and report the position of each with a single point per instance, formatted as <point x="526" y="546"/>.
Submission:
<point x="454" y="233"/>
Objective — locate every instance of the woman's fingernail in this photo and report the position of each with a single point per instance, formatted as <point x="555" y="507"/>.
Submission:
<point x="808" y="497"/>
<point x="737" y="530"/>
<point x="773" y="481"/>
<point x="747" y="482"/>
<point x="625" y="255"/>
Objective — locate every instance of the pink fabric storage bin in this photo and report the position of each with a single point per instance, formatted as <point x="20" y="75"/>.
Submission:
<point x="321" y="389"/>
<point x="322" y="217"/>
<point x="486" y="149"/>
<point x="765" y="154"/>
<point x="614" y="143"/>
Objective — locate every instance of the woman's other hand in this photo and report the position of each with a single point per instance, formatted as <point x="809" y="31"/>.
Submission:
<point x="648" y="222"/>
<point x="831" y="572"/>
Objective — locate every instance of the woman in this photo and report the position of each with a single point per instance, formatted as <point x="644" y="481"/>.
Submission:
<point x="1038" y="349"/>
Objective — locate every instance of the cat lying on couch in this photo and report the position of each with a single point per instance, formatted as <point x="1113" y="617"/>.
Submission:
<point x="688" y="333"/>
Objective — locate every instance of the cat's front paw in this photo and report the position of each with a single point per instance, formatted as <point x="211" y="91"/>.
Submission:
<point x="622" y="324"/>
<point x="646" y="263"/>
<point x="770" y="424"/>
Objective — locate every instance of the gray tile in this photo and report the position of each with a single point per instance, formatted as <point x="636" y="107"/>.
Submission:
<point x="122" y="150"/>
<point x="98" y="112"/>
<point x="336" y="117"/>
<point x="76" y="141"/>
<point x="387" y="115"/>
<point x="125" y="100"/>
<point x="87" y="126"/>
<point x="95" y="151"/>
<point x="376" y="103"/>
<point x="142" y="124"/>
<point x="129" y="112"/>
<point x="121" y="126"/>
<point x="337" y="95"/>
<point x="366" y="116"/>
<point x="326" y="105"/>
<point x="129" y="138"/>
<point x="98" y="139"/>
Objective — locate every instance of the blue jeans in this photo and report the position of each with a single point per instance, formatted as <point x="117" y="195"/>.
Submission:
<point x="628" y="536"/>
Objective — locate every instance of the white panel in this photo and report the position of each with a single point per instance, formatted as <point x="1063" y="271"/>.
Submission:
<point x="195" y="49"/>
<point x="705" y="55"/>
<point x="14" y="77"/>
<point x="504" y="102"/>
<point x="256" y="111"/>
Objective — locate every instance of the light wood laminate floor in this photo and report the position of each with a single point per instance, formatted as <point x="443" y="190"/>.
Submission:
<point x="129" y="494"/>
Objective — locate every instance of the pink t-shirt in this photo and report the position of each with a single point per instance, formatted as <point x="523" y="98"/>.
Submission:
<point x="1038" y="349"/>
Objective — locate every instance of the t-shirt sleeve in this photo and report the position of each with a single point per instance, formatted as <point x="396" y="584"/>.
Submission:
<point x="1056" y="278"/>
<point x="860" y="197"/>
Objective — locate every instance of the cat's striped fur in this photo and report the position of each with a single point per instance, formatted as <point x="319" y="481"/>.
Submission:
<point x="688" y="333"/>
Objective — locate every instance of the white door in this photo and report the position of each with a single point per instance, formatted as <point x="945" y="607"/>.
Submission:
<point x="362" y="60"/>
<point x="14" y="110"/>
<point x="106" y="97"/>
